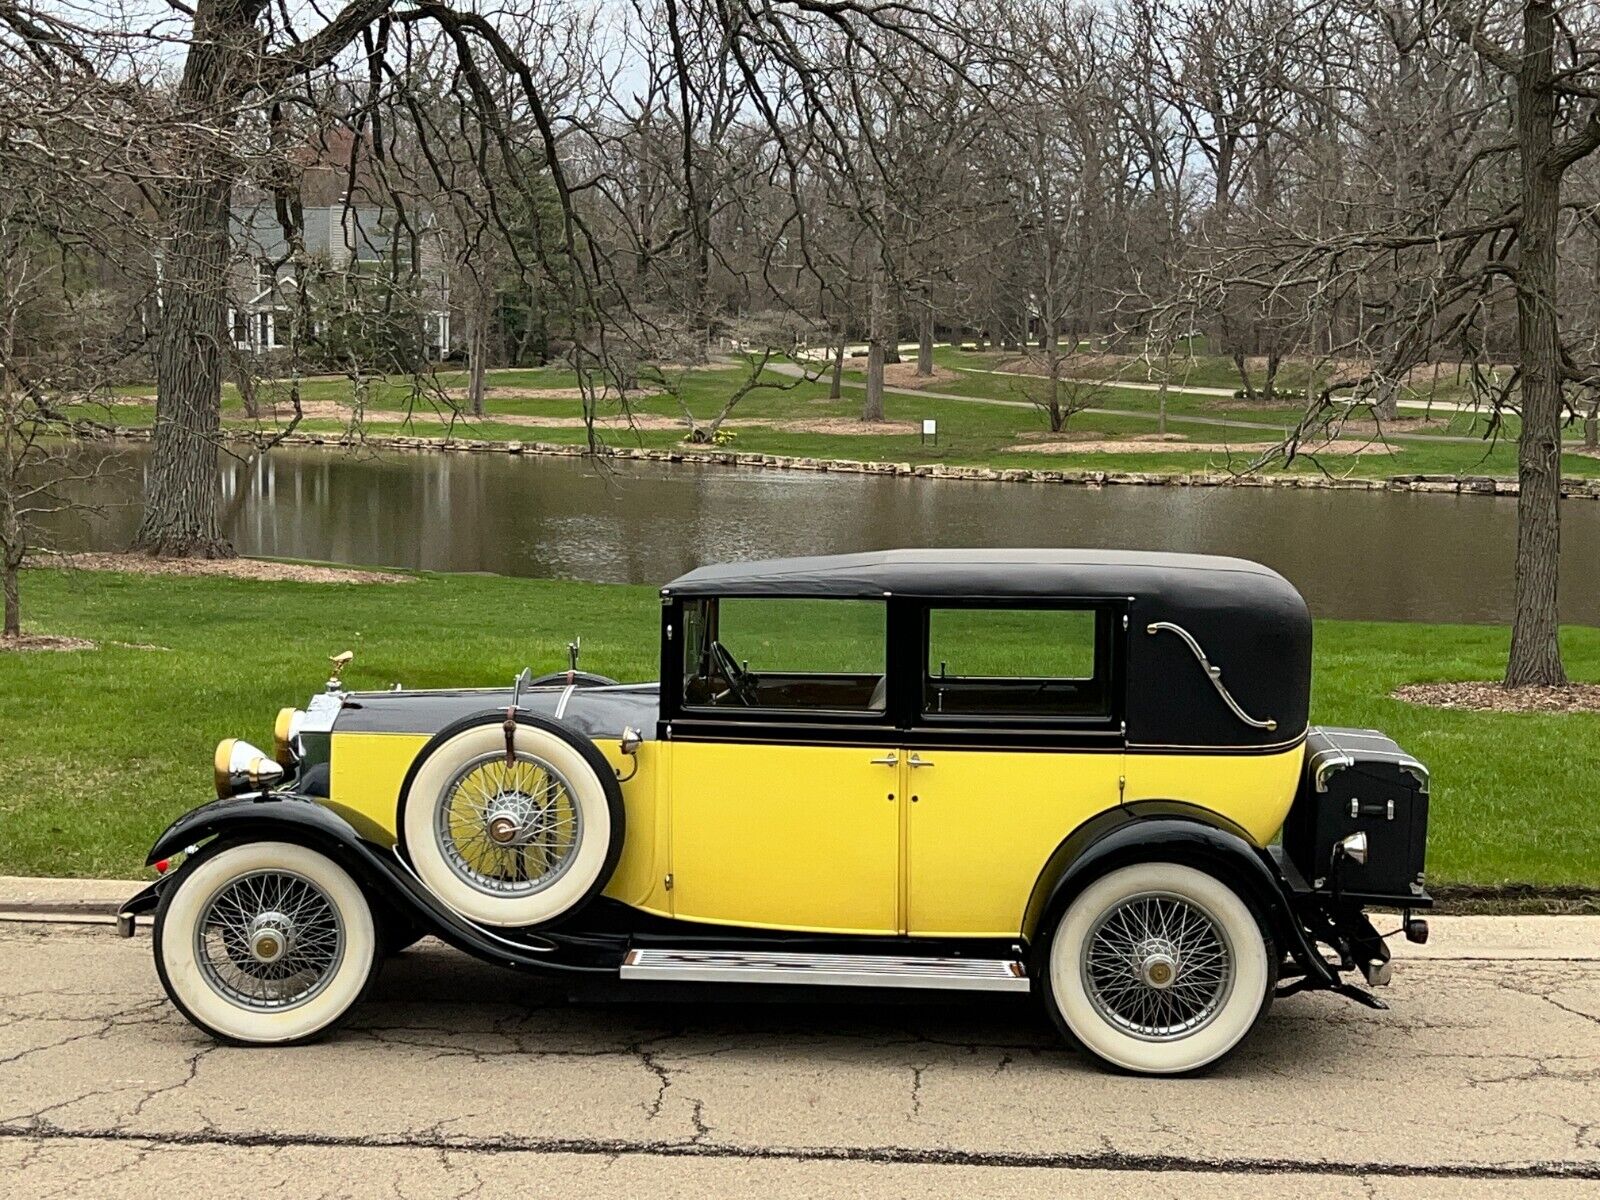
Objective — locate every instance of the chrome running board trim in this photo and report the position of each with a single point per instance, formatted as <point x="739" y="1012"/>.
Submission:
<point x="826" y="970"/>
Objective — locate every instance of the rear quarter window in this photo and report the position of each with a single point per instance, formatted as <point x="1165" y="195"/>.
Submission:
<point x="1016" y="662"/>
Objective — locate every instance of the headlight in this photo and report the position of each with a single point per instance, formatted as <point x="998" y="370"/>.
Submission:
<point x="239" y="767"/>
<point x="284" y="732"/>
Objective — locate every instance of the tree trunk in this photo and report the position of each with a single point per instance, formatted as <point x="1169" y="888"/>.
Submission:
<point x="10" y="474"/>
<point x="478" y="356"/>
<point x="1535" y="632"/>
<point x="244" y="378"/>
<point x="877" y="335"/>
<point x="181" y="499"/>
<point x="1244" y="376"/>
<point x="925" y="344"/>
<point x="13" y="590"/>
<point x="836" y="384"/>
<point x="181" y="504"/>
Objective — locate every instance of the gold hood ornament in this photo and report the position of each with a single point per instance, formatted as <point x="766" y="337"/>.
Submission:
<point x="340" y="661"/>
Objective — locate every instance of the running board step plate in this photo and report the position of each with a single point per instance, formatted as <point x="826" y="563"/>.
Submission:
<point x="827" y="970"/>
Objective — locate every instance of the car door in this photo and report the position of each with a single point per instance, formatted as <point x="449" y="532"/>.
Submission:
<point x="785" y="778"/>
<point x="1017" y="742"/>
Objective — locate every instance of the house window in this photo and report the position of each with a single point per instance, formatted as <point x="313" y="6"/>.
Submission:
<point x="239" y="323"/>
<point x="769" y="653"/>
<point x="266" y="332"/>
<point x="1017" y="662"/>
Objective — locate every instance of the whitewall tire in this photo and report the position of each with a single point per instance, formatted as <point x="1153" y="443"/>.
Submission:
<point x="1159" y="969"/>
<point x="265" y="943"/>
<point x="517" y="846"/>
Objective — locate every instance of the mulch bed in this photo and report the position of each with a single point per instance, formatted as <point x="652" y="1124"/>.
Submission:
<point x="31" y="642"/>
<point x="233" y="568"/>
<point x="1495" y="697"/>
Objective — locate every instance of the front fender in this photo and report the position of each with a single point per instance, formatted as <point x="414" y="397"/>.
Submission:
<point x="283" y="811"/>
<point x="1170" y="832"/>
<point x="389" y="885"/>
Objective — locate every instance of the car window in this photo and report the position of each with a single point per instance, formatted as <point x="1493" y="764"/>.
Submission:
<point x="1024" y="662"/>
<point x="764" y="653"/>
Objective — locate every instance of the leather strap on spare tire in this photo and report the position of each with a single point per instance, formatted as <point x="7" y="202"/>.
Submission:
<point x="511" y="819"/>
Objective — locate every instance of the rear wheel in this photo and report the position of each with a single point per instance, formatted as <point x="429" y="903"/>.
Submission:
<point x="1160" y="969"/>
<point x="265" y="943"/>
<point x="513" y="843"/>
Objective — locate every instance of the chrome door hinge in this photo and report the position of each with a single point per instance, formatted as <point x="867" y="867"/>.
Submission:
<point x="1122" y="787"/>
<point x="667" y="881"/>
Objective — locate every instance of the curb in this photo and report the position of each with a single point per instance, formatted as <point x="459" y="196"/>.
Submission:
<point x="1523" y="937"/>
<point x="1572" y="487"/>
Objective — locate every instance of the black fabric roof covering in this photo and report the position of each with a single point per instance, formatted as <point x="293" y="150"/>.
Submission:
<point x="1250" y="622"/>
<point x="952" y="574"/>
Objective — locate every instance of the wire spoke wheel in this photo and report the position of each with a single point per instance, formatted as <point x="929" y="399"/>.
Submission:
<point x="1158" y="966"/>
<point x="269" y="940"/>
<point x="508" y="829"/>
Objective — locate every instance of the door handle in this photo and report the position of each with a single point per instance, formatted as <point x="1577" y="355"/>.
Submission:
<point x="892" y="760"/>
<point x="917" y="761"/>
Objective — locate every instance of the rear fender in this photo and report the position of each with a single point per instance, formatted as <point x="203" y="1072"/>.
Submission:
<point x="388" y="883"/>
<point x="1170" y="831"/>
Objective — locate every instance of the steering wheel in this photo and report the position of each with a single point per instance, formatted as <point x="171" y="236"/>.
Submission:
<point x="740" y="684"/>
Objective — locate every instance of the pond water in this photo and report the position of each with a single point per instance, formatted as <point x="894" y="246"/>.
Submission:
<point x="1368" y="555"/>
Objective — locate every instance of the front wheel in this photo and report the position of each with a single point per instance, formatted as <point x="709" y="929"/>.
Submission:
<point x="1159" y="969"/>
<point x="265" y="943"/>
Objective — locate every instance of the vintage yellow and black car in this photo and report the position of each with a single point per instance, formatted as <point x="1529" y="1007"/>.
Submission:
<point x="1088" y="775"/>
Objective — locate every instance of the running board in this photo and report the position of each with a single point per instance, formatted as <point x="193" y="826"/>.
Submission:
<point x="827" y="970"/>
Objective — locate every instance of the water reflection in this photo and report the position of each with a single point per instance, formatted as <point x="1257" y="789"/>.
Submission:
<point x="1354" y="554"/>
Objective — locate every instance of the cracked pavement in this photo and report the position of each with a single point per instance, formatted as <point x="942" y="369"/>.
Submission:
<point x="455" y="1078"/>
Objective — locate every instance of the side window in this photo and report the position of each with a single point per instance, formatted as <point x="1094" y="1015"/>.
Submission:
<point x="1017" y="662"/>
<point x="763" y="653"/>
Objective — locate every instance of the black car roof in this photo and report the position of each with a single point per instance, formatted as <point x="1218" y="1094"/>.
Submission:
<point x="972" y="574"/>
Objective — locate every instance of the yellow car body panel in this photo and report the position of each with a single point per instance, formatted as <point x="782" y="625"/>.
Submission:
<point x="825" y="839"/>
<point x="981" y="826"/>
<point x="786" y="836"/>
<point x="365" y="774"/>
<point x="1254" y="791"/>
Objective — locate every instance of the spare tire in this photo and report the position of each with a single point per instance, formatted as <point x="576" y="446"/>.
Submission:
<point x="578" y="679"/>
<point x="518" y="845"/>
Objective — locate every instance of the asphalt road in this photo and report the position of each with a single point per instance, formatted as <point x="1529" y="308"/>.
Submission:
<point x="1483" y="1079"/>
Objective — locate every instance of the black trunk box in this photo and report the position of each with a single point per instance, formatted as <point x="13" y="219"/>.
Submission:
<point x="1359" y="781"/>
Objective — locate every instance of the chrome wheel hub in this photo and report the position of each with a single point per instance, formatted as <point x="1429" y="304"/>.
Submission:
<point x="1157" y="966"/>
<point x="514" y="820"/>
<point x="269" y="940"/>
<point x="271" y="935"/>
<point x="508" y="830"/>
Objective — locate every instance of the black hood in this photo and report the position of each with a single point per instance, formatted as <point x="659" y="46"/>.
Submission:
<point x="596" y="712"/>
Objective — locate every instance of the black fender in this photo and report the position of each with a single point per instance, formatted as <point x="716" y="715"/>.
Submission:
<point x="586" y="748"/>
<point x="387" y="882"/>
<point x="1171" y="831"/>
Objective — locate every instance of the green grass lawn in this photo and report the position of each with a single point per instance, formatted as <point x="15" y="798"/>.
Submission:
<point x="100" y="749"/>
<point x="970" y="434"/>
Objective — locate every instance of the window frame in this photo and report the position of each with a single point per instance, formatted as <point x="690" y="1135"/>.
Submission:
<point x="674" y="672"/>
<point x="1109" y="642"/>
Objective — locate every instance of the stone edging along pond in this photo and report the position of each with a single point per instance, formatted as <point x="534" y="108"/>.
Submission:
<point x="1572" y="487"/>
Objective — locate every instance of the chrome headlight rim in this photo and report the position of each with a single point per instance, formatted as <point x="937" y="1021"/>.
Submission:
<point x="286" y="736"/>
<point x="238" y="767"/>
